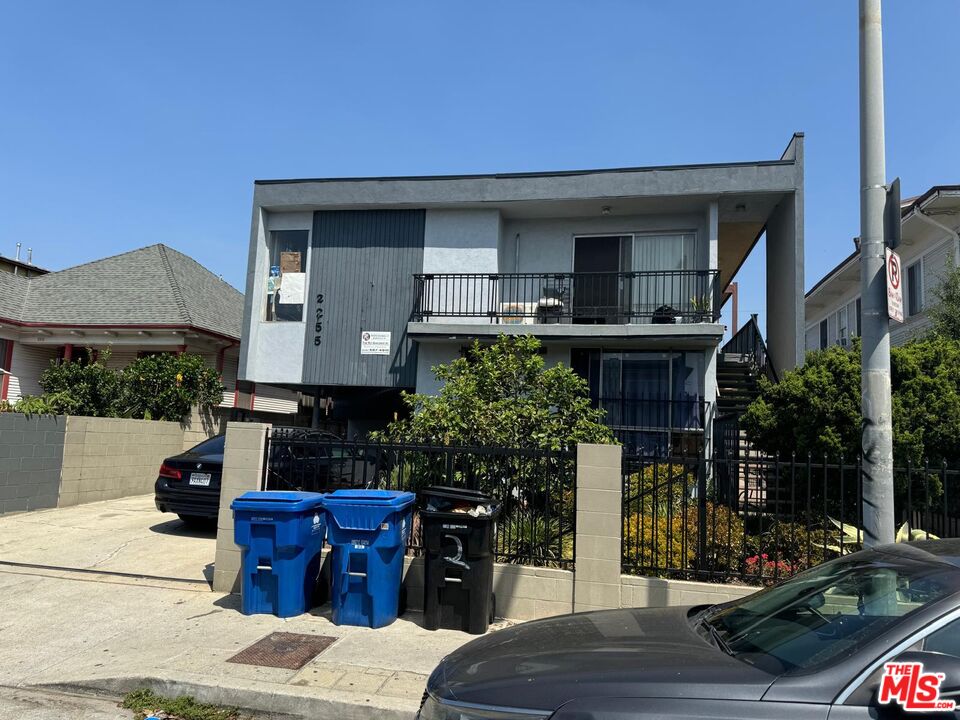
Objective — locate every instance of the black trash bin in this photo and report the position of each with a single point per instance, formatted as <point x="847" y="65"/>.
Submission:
<point x="458" y="564"/>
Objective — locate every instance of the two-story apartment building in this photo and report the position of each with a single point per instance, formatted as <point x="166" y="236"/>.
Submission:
<point x="929" y="245"/>
<point x="357" y="287"/>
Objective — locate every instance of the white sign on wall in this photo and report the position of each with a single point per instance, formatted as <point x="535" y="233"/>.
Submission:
<point x="894" y="286"/>
<point x="374" y="343"/>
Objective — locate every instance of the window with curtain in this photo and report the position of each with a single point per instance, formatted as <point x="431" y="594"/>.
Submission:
<point x="664" y="255"/>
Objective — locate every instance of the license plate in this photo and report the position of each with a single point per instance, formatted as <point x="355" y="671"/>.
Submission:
<point x="201" y="479"/>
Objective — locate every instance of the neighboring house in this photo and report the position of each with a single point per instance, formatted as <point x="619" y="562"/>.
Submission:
<point x="356" y="287"/>
<point x="15" y="266"/>
<point x="929" y="245"/>
<point x="150" y="300"/>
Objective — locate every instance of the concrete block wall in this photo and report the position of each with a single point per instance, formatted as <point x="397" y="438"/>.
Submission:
<point x="243" y="458"/>
<point x="108" y="458"/>
<point x="202" y="425"/>
<point x="31" y="454"/>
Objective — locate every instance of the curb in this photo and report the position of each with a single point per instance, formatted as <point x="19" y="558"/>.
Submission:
<point x="294" y="701"/>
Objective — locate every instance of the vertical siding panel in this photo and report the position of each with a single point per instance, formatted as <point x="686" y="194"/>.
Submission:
<point x="363" y="263"/>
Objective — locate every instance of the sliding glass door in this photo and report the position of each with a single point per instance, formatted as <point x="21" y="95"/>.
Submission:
<point x="660" y="289"/>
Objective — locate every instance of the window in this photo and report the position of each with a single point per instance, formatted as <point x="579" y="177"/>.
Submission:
<point x="915" y="289"/>
<point x="858" y="317"/>
<point x="286" y="275"/>
<point x="842" y="330"/>
<point x="648" y="392"/>
<point x="823" y="335"/>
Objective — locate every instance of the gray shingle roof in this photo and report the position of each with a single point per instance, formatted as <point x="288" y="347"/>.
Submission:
<point x="155" y="285"/>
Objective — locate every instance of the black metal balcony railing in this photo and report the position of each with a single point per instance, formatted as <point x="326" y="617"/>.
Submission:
<point x="613" y="298"/>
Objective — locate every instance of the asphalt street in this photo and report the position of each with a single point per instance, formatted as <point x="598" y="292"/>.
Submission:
<point x="33" y="704"/>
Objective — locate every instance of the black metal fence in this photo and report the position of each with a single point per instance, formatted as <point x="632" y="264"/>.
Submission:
<point x="666" y="297"/>
<point x="536" y="488"/>
<point x="745" y="518"/>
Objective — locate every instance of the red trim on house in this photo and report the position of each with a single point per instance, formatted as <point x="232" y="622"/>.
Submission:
<point x="7" y="365"/>
<point x="67" y="352"/>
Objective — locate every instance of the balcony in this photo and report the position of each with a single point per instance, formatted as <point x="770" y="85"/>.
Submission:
<point x="668" y="297"/>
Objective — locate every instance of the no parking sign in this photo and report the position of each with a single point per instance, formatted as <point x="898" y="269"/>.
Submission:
<point x="894" y="286"/>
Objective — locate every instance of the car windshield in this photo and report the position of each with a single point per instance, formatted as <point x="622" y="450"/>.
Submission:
<point x="827" y="613"/>
<point x="213" y="446"/>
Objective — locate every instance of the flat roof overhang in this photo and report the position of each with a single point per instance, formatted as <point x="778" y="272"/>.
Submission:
<point x="692" y="335"/>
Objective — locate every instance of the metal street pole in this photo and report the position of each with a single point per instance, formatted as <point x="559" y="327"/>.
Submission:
<point x="877" y="432"/>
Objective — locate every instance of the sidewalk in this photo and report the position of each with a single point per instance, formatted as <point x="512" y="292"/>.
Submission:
<point x="110" y="596"/>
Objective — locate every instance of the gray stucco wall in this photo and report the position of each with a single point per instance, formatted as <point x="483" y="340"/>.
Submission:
<point x="31" y="457"/>
<point x="270" y="352"/>
<point x="461" y="241"/>
<point x="546" y="245"/>
<point x="785" y="304"/>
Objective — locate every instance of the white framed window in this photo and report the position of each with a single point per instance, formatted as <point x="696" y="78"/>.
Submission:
<point x="843" y="331"/>
<point x="915" y="288"/>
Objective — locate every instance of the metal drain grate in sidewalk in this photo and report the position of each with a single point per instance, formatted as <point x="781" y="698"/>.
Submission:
<point x="290" y="651"/>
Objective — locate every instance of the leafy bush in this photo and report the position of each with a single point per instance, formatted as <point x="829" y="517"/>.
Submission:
<point x="815" y="409"/>
<point x="670" y="540"/>
<point x="75" y="388"/>
<point x="165" y="387"/>
<point x="159" y="387"/>
<point x="502" y="395"/>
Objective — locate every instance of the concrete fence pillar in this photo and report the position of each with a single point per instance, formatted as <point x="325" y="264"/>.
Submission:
<point x="243" y="457"/>
<point x="596" y="583"/>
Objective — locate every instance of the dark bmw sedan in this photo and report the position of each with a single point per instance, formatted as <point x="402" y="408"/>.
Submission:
<point x="189" y="483"/>
<point x="875" y="634"/>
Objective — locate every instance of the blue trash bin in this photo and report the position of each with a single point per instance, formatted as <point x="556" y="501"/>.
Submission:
<point x="281" y="538"/>
<point x="367" y="531"/>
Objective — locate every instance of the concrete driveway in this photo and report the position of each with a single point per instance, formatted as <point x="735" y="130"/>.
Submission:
<point x="121" y="539"/>
<point x="113" y="596"/>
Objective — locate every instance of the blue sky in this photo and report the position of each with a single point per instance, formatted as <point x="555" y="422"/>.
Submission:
<point x="126" y="124"/>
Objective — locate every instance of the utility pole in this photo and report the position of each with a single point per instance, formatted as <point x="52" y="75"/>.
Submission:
<point x="877" y="431"/>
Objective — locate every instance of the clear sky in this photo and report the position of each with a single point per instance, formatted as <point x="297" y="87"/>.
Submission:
<point x="124" y="124"/>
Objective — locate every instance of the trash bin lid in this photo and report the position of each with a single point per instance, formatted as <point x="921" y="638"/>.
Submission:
<point x="384" y="498"/>
<point x="277" y="501"/>
<point x="459" y="494"/>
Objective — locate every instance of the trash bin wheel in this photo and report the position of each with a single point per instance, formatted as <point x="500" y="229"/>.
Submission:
<point x="493" y="607"/>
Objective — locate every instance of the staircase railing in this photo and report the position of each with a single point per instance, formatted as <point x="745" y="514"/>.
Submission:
<point x="748" y="341"/>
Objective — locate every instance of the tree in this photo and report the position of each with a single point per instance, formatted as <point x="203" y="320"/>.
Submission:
<point x="503" y="395"/>
<point x="816" y="408"/>
<point x="946" y="312"/>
